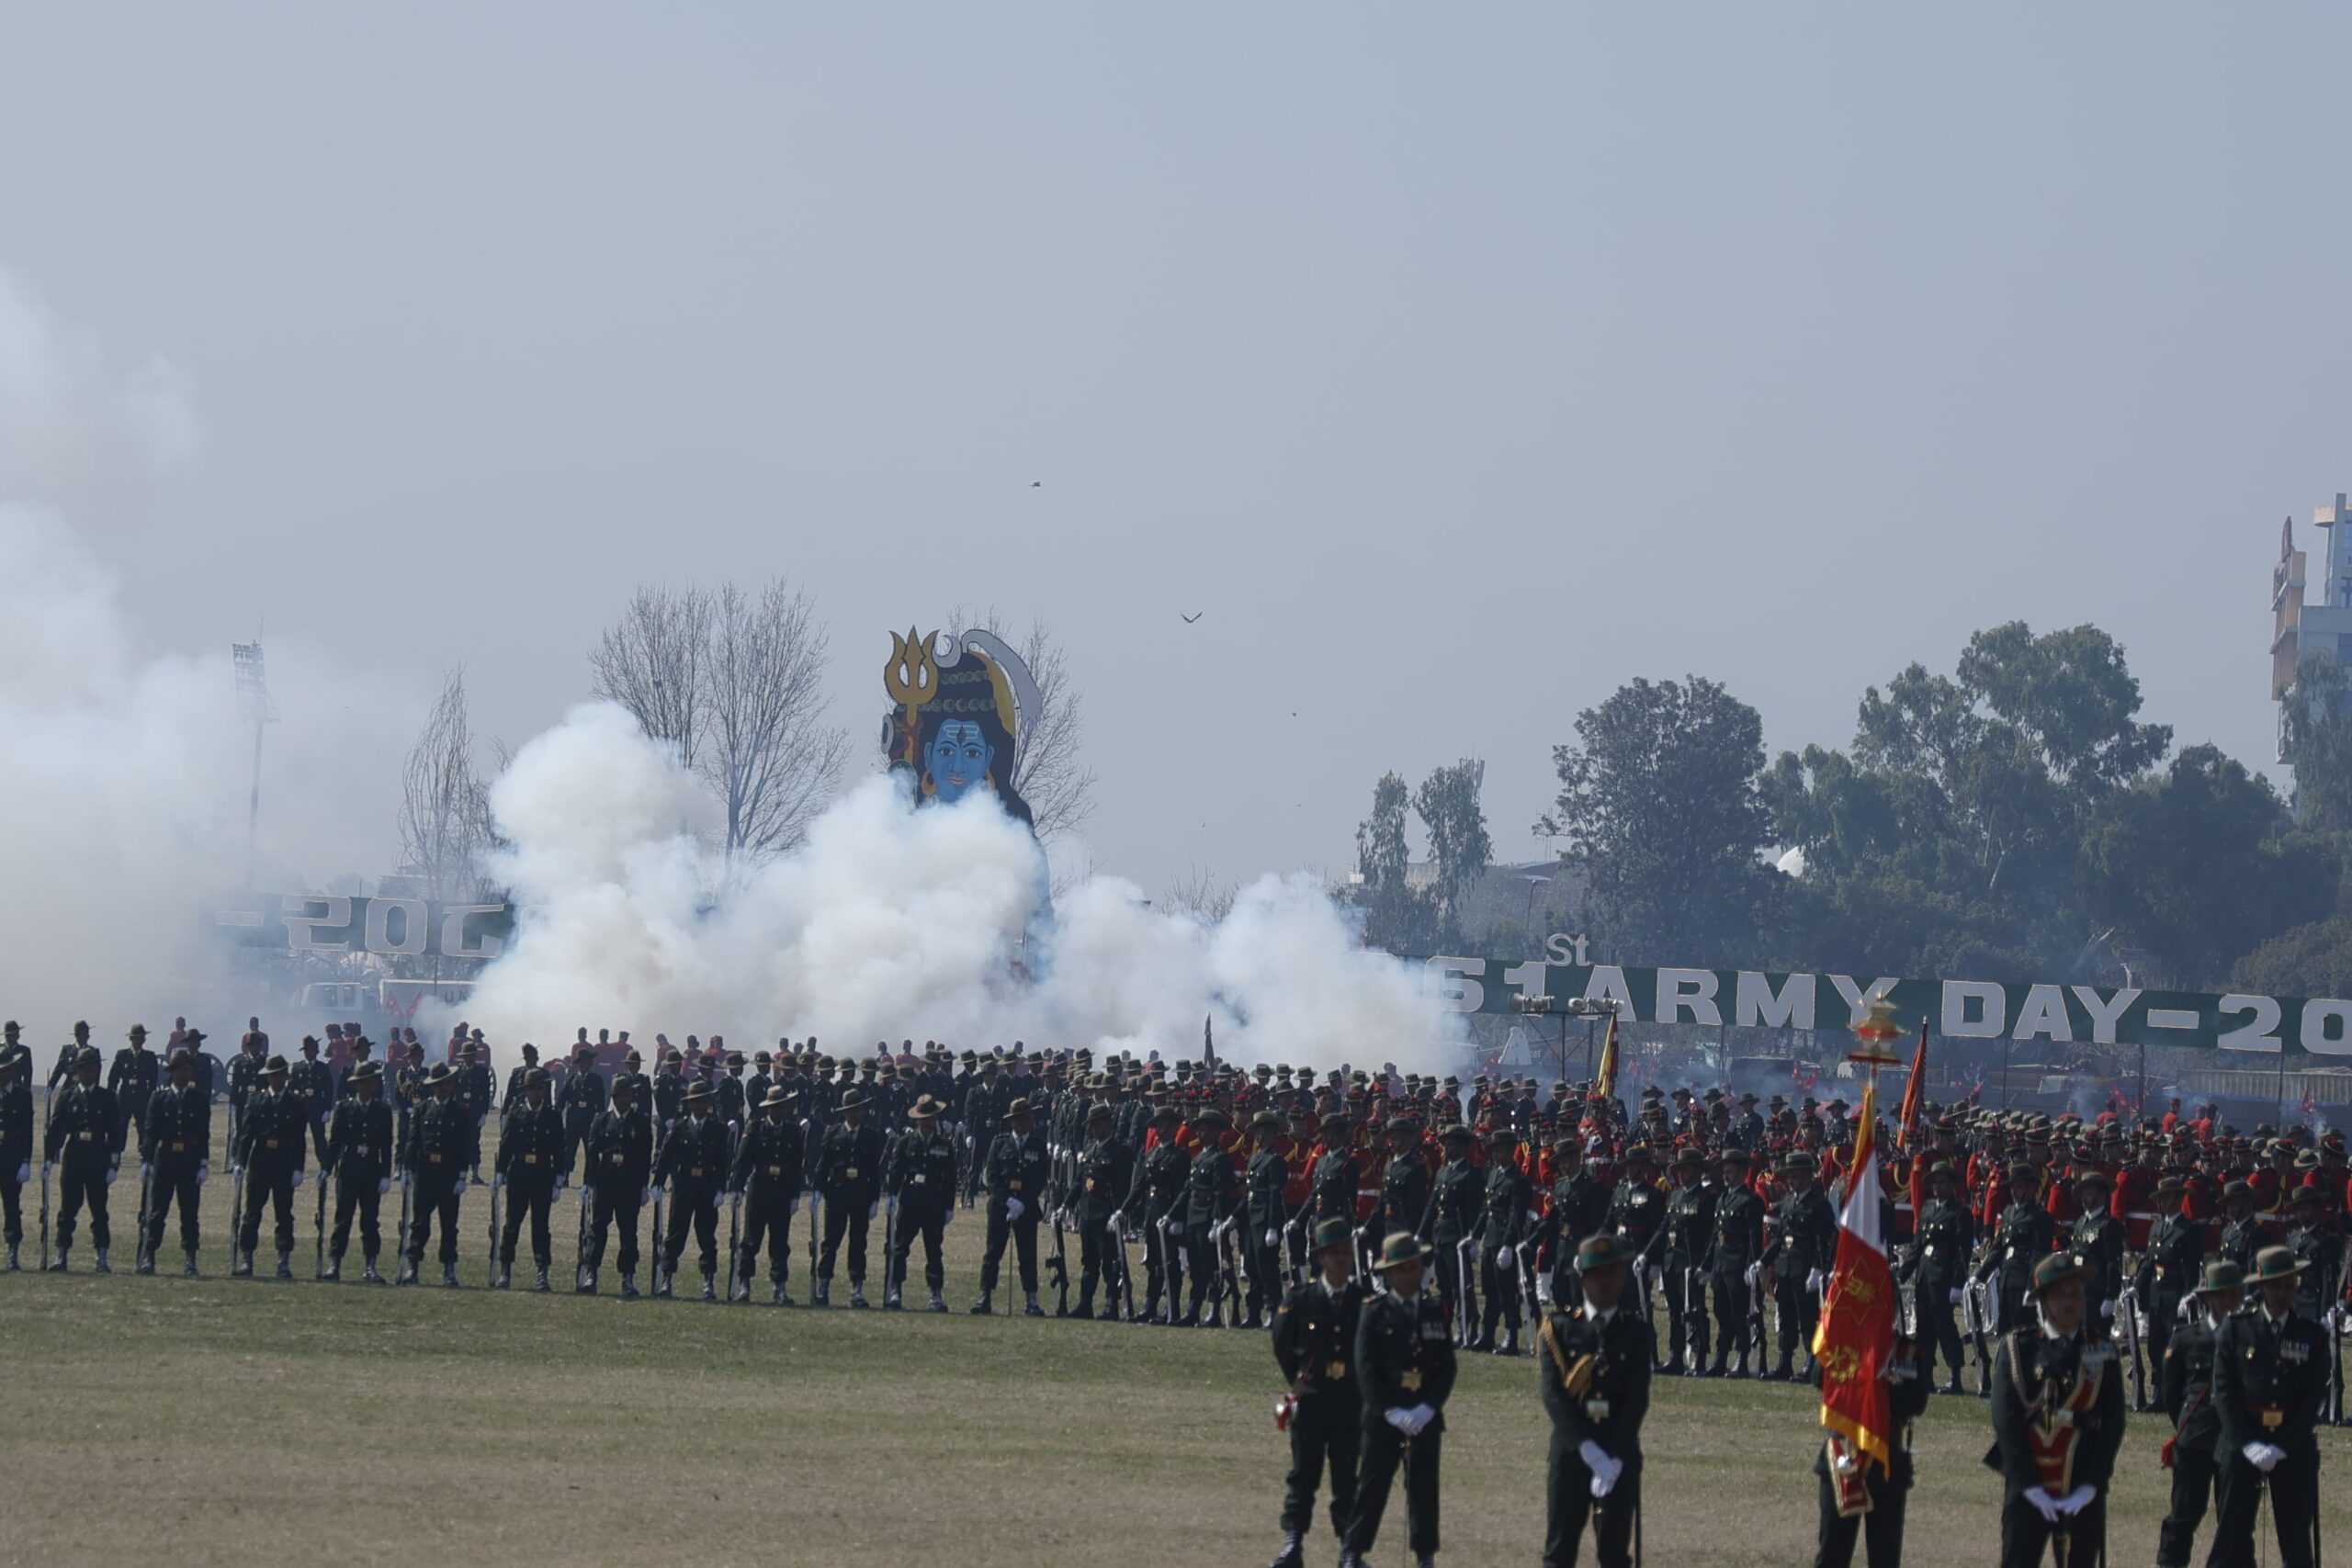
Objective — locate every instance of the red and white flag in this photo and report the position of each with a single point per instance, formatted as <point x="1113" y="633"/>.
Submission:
<point x="1855" y="1338"/>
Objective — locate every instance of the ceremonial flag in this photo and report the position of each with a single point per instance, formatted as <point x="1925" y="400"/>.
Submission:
<point x="1855" y="1338"/>
<point x="1914" y="1092"/>
<point x="1607" y="1080"/>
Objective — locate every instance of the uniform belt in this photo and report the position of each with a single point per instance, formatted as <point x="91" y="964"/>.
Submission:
<point x="180" y="1145"/>
<point x="531" y="1159"/>
<point x="436" y="1158"/>
<point x="776" y="1170"/>
<point x="270" y="1142"/>
<point x="86" y="1137"/>
<point x="697" y="1170"/>
<point x="2273" y="1415"/>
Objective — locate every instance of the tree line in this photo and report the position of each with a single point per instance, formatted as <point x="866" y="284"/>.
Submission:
<point x="2014" y="819"/>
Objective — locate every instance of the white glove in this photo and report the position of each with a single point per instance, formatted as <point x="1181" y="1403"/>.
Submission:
<point x="792" y="1206"/>
<point x="2043" y="1503"/>
<point x="1175" y="1229"/>
<point x="1401" y="1418"/>
<point x="323" y="1176"/>
<point x="25" y="1173"/>
<point x="1955" y="1298"/>
<point x="561" y="1183"/>
<point x="2107" y="1309"/>
<point x="650" y="1193"/>
<point x="1543" y="1289"/>
<point x="2262" y="1456"/>
<point x="2074" y="1502"/>
<point x="1013" y="1209"/>
<point x="142" y="1168"/>
<point x="46" y="1167"/>
<point x="383" y="1186"/>
<point x="114" y="1169"/>
<point x="714" y="1198"/>
<point x="1596" y="1458"/>
<point x="1502" y="1257"/>
<point x="459" y="1184"/>
<point x="1755" y="1273"/>
<point x="892" y="1204"/>
<point x="1273" y="1238"/>
<point x="497" y="1180"/>
<point x="203" y="1173"/>
<point x="1812" y="1282"/>
<point x="872" y="1210"/>
<point x="1423" y="1416"/>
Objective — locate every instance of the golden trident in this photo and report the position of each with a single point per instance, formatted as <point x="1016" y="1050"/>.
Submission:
<point x="911" y="677"/>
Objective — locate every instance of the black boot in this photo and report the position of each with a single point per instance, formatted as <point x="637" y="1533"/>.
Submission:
<point x="541" y="1284"/>
<point x="709" y="1285"/>
<point x="984" y="1306"/>
<point x="189" y="1272"/>
<point x="629" y="1287"/>
<point x="1293" y="1551"/>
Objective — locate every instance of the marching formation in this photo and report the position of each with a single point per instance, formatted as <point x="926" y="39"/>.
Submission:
<point x="1381" y="1223"/>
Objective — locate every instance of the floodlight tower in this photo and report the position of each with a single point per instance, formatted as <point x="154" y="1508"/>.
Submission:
<point x="253" y="707"/>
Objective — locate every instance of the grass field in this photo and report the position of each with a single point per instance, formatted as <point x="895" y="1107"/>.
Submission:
<point x="218" y="1421"/>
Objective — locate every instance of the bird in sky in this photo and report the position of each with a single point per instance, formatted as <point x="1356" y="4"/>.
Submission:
<point x="1037" y="484"/>
<point x="1195" y="616"/>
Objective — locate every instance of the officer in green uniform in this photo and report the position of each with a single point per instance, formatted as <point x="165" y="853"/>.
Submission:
<point x="1456" y="1198"/>
<point x="134" y="1077"/>
<point x="85" y="1133"/>
<point x="1018" y="1168"/>
<point x="1105" y="1175"/>
<point x="1594" y="1357"/>
<point x="2168" y="1268"/>
<point x="918" y="1185"/>
<point x="2270" y="1386"/>
<point x="2058" y="1414"/>
<point x="618" y="1181"/>
<point x="2244" y="1233"/>
<point x="178" y="1140"/>
<point x="1266" y="1215"/>
<point x="359" y="1153"/>
<point x="580" y="1097"/>
<point x="1315" y="1337"/>
<point x="1404" y="1370"/>
<point x="530" y="1156"/>
<point x="2185" y="1393"/>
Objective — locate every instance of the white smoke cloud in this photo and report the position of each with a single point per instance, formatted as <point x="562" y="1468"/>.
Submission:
<point x="892" y="923"/>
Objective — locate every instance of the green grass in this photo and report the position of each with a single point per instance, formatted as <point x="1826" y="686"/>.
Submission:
<point x="219" y="1421"/>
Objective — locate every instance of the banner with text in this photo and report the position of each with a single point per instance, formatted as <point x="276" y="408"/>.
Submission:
<point x="330" y="923"/>
<point x="2041" y="1012"/>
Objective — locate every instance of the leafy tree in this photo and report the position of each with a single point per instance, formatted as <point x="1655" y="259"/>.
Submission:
<point x="1659" y="805"/>
<point x="2318" y="744"/>
<point x="1448" y="805"/>
<point x="2314" y="960"/>
<point x="1397" y="916"/>
<point x="2201" y="864"/>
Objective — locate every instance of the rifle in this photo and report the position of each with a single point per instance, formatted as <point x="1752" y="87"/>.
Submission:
<point x="657" y="1272"/>
<point x="1978" y="1299"/>
<point x="1228" y="1259"/>
<point x="144" y="1254"/>
<point x="1292" y="1260"/>
<point x="1172" y="1268"/>
<point x="497" y="1193"/>
<point x="404" y="1231"/>
<point x="2126" y="1316"/>
<point x="2335" y="1366"/>
<point x="580" y="1248"/>
<point x="813" y="1136"/>
<point x="1057" y="1265"/>
<point x="1694" y="1314"/>
<point x="735" y="1218"/>
<point x="318" y="1228"/>
<point x="44" y="1214"/>
<point x="1753" y="1333"/>
<point x="1465" y="1268"/>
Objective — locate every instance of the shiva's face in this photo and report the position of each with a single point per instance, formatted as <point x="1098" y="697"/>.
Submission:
<point x="958" y="757"/>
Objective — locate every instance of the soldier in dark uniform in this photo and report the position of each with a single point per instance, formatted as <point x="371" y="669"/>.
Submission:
<point x="360" y="1047"/>
<point x="617" y="1181"/>
<point x="1506" y="1205"/>
<point x="2185" y="1394"/>
<point x="849" y="1178"/>
<point x="245" y="1081"/>
<point x="1457" y="1193"/>
<point x="728" y="1090"/>
<point x="178" y="1139"/>
<point x="1689" y="1230"/>
<point x="519" y="1075"/>
<point x="2270" y="1388"/>
<point x="918" y="1185"/>
<point x="2058" y="1414"/>
<point x="530" y="1154"/>
<point x="1212" y="1198"/>
<point x="69" y="1058"/>
<point x="1266" y="1215"/>
<point x="15" y="1143"/>
<point x="692" y="1162"/>
<point x="313" y="1087"/>
<point x="1862" y="1501"/>
<point x="1406" y="1181"/>
<point x="476" y="1091"/>
<point x="1579" y="1208"/>
<point x="1333" y="1182"/>
<point x="580" y="1098"/>
<point x="1944" y="1238"/>
<point x="409" y="1090"/>
<point x="271" y="1138"/>
<point x="444" y="1141"/>
<point x="2099" y="1239"/>
<point x="1734" y="1266"/>
<point x="84" y="1131"/>
<point x="1153" y="1204"/>
<point x="359" y="1152"/>
<point x="1105" y="1174"/>
<point x="2020" y="1241"/>
<point x="1315" y="1339"/>
<point x="1594" y="1358"/>
<point x="1018" y="1169"/>
<point x="2169" y="1266"/>
<point x="766" y="1181"/>
<point x="135" y="1074"/>
<point x="1636" y="1218"/>
<point x="2244" y="1234"/>
<point x="1802" y="1247"/>
<point x="2319" y="1242"/>
<point x="1404" y="1370"/>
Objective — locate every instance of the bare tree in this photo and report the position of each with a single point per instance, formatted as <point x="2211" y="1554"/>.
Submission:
<point x="1052" y="776"/>
<point x="766" y="751"/>
<point x="1200" y="894"/>
<point x="445" y="808"/>
<point x="653" y="663"/>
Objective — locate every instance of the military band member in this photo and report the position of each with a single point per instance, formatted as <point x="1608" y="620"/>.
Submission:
<point x="443" y="1145"/>
<point x="2185" y="1394"/>
<point x="1506" y="1216"/>
<point x="178" y="1140"/>
<point x="530" y="1156"/>
<point x="766" y="1181"/>
<point x="1594" y="1357"/>
<point x="618" y="1183"/>
<point x="359" y="1153"/>
<point x="920" y="1186"/>
<point x="1945" y="1239"/>
<point x="85" y="1134"/>
<point x="2058" y="1414"/>
<point x="2270" y="1388"/>
<point x="1105" y="1175"/>
<point x="271" y="1138"/>
<point x="1734" y="1266"/>
<point x="1315" y="1337"/>
<point x="1018" y="1169"/>
<point x="1862" y="1500"/>
<point x="1266" y="1215"/>
<point x="1404" y="1370"/>
<point x="692" y="1162"/>
<point x="15" y="1143"/>
<point x="849" y="1176"/>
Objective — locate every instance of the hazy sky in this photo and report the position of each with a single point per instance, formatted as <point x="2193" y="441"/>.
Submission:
<point x="1456" y="363"/>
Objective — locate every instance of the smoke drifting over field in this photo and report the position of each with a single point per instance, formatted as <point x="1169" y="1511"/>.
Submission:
<point x="891" y="921"/>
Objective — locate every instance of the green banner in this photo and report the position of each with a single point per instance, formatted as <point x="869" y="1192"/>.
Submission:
<point x="2043" y="1012"/>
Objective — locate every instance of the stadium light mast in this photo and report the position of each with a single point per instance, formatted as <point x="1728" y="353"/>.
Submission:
<point x="253" y="707"/>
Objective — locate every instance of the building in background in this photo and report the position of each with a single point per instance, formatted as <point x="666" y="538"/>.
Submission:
<point x="2310" y="605"/>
